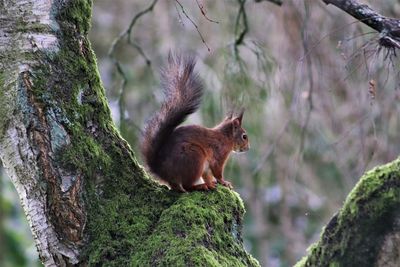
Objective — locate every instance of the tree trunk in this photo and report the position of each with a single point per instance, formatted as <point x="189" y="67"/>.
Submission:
<point x="87" y="199"/>
<point x="366" y="231"/>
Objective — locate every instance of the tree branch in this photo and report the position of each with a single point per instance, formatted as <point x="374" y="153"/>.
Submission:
<point x="128" y="33"/>
<point x="388" y="27"/>
<point x="276" y="2"/>
<point x="241" y="20"/>
<point x="366" y="229"/>
<point x="194" y="24"/>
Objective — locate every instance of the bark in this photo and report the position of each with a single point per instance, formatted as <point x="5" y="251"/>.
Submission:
<point x="366" y="230"/>
<point x="87" y="200"/>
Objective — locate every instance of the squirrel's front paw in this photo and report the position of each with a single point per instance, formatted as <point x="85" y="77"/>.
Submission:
<point x="212" y="185"/>
<point x="227" y="184"/>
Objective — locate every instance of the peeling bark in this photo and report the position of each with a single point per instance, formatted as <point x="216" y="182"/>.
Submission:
<point x="25" y="138"/>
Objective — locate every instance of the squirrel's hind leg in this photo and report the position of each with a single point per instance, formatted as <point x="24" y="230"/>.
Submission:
<point x="177" y="187"/>
<point x="209" y="179"/>
<point x="191" y="167"/>
<point x="199" y="187"/>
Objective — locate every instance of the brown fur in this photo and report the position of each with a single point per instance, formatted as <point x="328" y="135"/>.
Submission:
<point x="180" y="156"/>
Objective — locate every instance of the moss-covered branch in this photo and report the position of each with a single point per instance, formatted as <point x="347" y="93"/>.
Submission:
<point x="359" y="233"/>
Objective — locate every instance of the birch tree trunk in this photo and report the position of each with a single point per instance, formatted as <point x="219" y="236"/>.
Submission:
<point x="87" y="199"/>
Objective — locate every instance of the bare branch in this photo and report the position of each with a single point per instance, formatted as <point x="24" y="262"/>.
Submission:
<point x="388" y="27"/>
<point x="128" y="33"/>
<point x="111" y="53"/>
<point x="241" y="19"/>
<point x="194" y="24"/>
<point x="241" y="29"/>
<point x="204" y="12"/>
<point x="276" y="2"/>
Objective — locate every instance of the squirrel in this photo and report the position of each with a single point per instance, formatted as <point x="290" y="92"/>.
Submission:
<point x="180" y="156"/>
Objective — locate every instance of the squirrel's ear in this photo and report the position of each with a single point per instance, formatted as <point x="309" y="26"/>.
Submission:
<point x="236" y="123"/>
<point x="240" y="117"/>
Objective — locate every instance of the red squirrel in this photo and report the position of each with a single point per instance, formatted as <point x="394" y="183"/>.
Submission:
<point x="179" y="156"/>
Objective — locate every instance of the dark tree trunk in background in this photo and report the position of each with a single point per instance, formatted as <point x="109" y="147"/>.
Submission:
<point x="86" y="198"/>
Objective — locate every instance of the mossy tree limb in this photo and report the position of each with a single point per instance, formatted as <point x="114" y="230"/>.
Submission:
<point x="87" y="199"/>
<point x="366" y="231"/>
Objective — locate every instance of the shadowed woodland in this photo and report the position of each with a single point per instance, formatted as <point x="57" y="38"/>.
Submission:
<point x="321" y="91"/>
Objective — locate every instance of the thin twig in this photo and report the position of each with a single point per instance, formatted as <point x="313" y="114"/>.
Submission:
<point x="388" y="27"/>
<point x="203" y="12"/>
<point x="127" y="33"/>
<point x="270" y="150"/>
<point x="318" y="42"/>
<point x="276" y="2"/>
<point x="358" y="52"/>
<point x="305" y="43"/>
<point x="194" y="24"/>
<point x="241" y="19"/>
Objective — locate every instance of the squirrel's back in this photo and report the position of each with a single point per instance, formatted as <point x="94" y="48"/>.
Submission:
<point x="183" y="92"/>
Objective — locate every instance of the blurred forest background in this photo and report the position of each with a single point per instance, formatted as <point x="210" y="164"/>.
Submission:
<point x="321" y="99"/>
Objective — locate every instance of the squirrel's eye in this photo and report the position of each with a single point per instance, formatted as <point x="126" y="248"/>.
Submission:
<point x="244" y="136"/>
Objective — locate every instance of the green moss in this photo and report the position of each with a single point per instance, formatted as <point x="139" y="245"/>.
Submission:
<point x="28" y="26"/>
<point x="2" y="79"/>
<point x="301" y="262"/>
<point x="2" y="85"/>
<point x="354" y="236"/>
<point x="131" y="219"/>
<point x="78" y="13"/>
<point x="198" y="229"/>
<point x="170" y="229"/>
<point x="32" y="27"/>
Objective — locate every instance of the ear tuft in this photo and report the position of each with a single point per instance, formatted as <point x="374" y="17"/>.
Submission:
<point x="229" y="116"/>
<point x="240" y="116"/>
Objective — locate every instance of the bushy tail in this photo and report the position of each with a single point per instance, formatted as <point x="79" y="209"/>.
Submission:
<point x="183" y="92"/>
